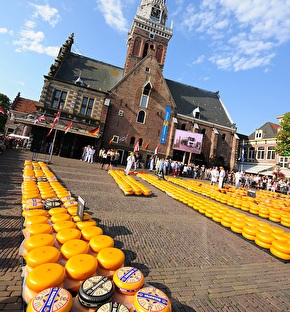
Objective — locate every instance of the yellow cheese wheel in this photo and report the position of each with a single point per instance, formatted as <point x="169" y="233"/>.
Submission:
<point x="90" y="231"/>
<point x="151" y="299"/>
<point x="34" y="220"/>
<point x="72" y="210"/>
<point x="100" y="242"/>
<point x="60" y="225"/>
<point x="68" y="234"/>
<point x="39" y="228"/>
<point x="74" y="247"/>
<point x="60" y="217"/>
<point x="43" y="254"/>
<point x="86" y="217"/>
<point x="111" y="258"/>
<point x="82" y="224"/>
<point x="67" y="198"/>
<point x="32" y="206"/>
<point x="55" y="299"/>
<point x="26" y="213"/>
<point x="55" y="210"/>
<point x="44" y="276"/>
<point x="39" y="240"/>
<point x="81" y="267"/>
<point x="128" y="280"/>
<point x="71" y="203"/>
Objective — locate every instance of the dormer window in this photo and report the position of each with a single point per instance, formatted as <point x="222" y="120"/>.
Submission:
<point x="259" y="134"/>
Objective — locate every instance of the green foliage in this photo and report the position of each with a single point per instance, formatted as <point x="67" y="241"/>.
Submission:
<point x="283" y="137"/>
<point x="5" y="104"/>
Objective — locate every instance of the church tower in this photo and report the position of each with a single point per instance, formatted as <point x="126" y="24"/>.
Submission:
<point x="148" y="34"/>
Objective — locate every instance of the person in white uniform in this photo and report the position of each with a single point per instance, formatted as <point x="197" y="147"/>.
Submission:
<point x="130" y="162"/>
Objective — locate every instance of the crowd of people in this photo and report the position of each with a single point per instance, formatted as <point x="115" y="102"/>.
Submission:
<point x="218" y="175"/>
<point x="7" y="141"/>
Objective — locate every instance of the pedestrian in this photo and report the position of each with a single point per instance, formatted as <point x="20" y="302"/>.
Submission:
<point x="130" y="162"/>
<point x="86" y="153"/>
<point x="103" y="159"/>
<point x="91" y="154"/>
<point x="222" y="176"/>
<point x="214" y="176"/>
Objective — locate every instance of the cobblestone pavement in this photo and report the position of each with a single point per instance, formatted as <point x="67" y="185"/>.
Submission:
<point x="199" y="264"/>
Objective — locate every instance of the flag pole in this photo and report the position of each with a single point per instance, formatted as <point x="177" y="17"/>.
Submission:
<point x="55" y="132"/>
<point x="52" y="145"/>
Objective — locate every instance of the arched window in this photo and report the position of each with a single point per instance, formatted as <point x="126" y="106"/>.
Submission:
<point x="132" y="140"/>
<point x="141" y="117"/>
<point x="223" y="137"/>
<point x="145" y="95"/>
<point x="203" y="131"/>
<point x="136" y="47"/>
<point x="159" y="53"/>
<point x="183" y="126"/>
<point x="145" y="51"/>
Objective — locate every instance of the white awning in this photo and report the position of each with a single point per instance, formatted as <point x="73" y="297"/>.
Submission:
<point x="255" y="168"/>
<point x="19" y="136"/>
<point x="270" y="173"/>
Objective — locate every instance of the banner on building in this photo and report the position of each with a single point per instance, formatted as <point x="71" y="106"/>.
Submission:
<point x="187" y="141"/>
<point x="165" y="125"/>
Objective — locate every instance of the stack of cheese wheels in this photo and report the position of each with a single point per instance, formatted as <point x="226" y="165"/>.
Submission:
<point x="93" y="292"/>
<point x="128" y="280"/>
<point x="41" y="255"/>
<point x="44" y="276"/>
<point x="79" y="268"/>
<point x="151" y="299"/>
<point x="281" y="249"/>
<point x="37" y="241"/>
<point x="54" y="299"/>
<point x="110" y="259"/>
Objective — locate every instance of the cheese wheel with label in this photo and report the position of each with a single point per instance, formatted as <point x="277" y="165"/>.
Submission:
<point x="128" y="280"/>
<point x="45" y="276"/>
<point x="151" y="299"/>
<point x="112" y="307"/>
<point x="55" y="299"/>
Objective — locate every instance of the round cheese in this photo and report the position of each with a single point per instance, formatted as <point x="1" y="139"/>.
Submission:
<point x="39" y="228"/>
<point x="45" y="276"/>
<point x="90" y="231"/>
<point x="128" y="280"/>
<point x="81" y="267"/>
<point x="60" y="225"/>
<point x="100" y="242"/>
<point x="68" y="234"/>
<point x="111" y="258"/>
<point x="74" y="247"/>
<point x="43" y="254"/>
<point x="151" y="299"/>
<point x="39" y="240"/>
<point x="55" y="299"/>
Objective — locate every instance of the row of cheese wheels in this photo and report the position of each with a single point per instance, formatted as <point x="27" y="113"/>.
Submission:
<point x="66" y="254"/>
<point x="263" y="234"/>
<point x="276" y="210"/>
<point x="128" y="184"/>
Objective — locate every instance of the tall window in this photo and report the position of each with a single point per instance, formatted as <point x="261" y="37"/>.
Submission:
<point x="159" y="53"/>
<point x="87" y="106"/>
<point x="284" y="162"/>
<point x="141" y="117"/>
<point x="145" y="95"/>
<point x="260" y="152"/>
<point x="59" y="98"/>
<point x="251" y="155"/>
<point x="271" y="152"/>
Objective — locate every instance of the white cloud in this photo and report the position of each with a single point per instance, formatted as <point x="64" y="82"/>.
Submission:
<point x="113" y="14"/>
<point x="199" y="60"/>
<point x="47" y="13"/>
<point x="251" y="30"/>
<point x="30" y="40"/>
<point x="4" y="30"/>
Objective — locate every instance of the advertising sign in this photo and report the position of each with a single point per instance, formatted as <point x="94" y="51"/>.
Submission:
<point x="187" y="141"/>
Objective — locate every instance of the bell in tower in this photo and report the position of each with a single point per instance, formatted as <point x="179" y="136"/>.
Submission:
<point x="148" y="34"/>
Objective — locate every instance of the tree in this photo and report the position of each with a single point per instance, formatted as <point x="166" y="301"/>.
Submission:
<point x="283" y="137"/>
<point x="5" y="105"/>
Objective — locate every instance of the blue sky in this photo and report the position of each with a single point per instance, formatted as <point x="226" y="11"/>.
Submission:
<point x="237" y="47"/>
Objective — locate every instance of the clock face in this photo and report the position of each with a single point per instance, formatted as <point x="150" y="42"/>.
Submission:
<point x="155" y="12"/>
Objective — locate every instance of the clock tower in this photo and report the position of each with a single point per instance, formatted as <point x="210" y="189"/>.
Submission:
<point x="148" y="34"/>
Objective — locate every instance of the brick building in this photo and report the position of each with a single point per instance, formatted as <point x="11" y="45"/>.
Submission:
<point x="135" y="105"/>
